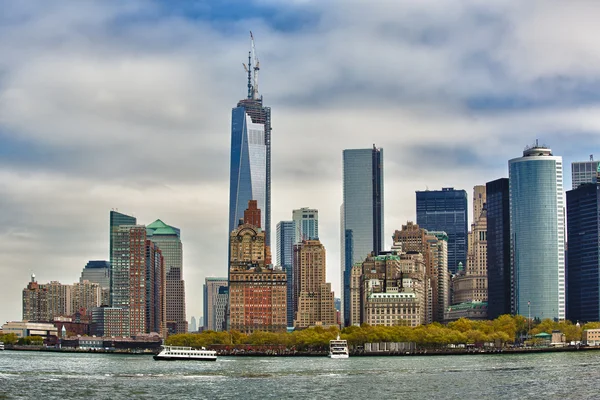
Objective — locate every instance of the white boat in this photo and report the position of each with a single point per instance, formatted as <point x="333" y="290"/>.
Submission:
<point x="338" y="348"/>
<point x="1" y="346"/>
<point x="172" y="353"/>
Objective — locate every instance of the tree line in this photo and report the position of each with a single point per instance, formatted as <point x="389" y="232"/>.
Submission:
<point x="504" y="329"/>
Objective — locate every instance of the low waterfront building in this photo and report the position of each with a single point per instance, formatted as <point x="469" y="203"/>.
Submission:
<point x="25" y="328"/>
<point x="591" y="337"/>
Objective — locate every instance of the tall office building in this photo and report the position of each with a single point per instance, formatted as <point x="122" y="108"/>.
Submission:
<point x="168" y="240"/>
<point x="286" y="234"/>
<point x="116" y="219"/>
<point x="583" y="271"/>
<point x="498" y="248"/>
<point x="98" y="272"/>
<point x="193" y="326"/>
<point x="537" y="229"/>
<point x="307" y="224"/>
<point x="156" y="290"/>
<point x="361" y="213"/>
<point x="213" y="317"/>
<point x="470" y="284"/>
<point x="257" y="291"/>
<point x="250" y="168"/>
<point x="584" y="172"/>
<point x="312" y="295"/>
<point x="446" y="210"/>
<point x="129" y="275"/>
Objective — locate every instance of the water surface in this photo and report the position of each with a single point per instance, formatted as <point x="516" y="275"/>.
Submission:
<point x="25" y="375"/>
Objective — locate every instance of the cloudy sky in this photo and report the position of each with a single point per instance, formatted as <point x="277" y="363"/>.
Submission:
<point x="126" y="105"/>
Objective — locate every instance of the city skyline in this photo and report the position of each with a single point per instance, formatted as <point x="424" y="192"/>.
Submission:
<point x="139" y="118"/>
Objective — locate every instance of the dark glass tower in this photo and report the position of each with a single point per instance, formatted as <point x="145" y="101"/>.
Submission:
<point x="498" y="247"/>
<point x="583" y="233"/>
<point x="446" y="210"/>
<point x="250" y="168"/>
<point x="362" y="212"/>
<point x="286" y="232"/>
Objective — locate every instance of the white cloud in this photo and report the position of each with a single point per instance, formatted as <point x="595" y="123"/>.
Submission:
<point x="125" y="108"/>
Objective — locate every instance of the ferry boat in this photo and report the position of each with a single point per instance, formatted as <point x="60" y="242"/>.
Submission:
<point x="172" y="353"/>
<point x="338" y="348"/>
<point x="1" y="346"/>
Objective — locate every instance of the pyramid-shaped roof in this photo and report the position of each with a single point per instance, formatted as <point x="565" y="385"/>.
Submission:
<point x="165" y="231"/>
<point x="157" y="224"/>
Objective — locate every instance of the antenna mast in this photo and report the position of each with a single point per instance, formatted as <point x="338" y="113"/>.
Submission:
<point x="255" y="69"/>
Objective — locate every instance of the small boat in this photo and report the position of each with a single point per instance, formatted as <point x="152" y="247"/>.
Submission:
<point x="338" y="348"/>
<point x="172" y="353"/>
<point x="1" y="346"/>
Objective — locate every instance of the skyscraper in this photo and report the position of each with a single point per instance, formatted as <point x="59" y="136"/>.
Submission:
<point x="361" y="213"/>
<point x="312" y="294"/>
<point x="168" y="239"/>
<point x="129" y="275"/>
<point x="537" y="231"/>
<point x="446" y="210"/>
<point x="250" y="168"/>
<point x="285" y="242"/>
<point x="584" y="172"/>
<point x="307" y="224"/>
<point x="498" y="248"/>
<point x="98" y="272"/>
<point x="583" y="271"/>
<point x="213" y="317"/>
<point x="116" y="219"/>
<point x="156" y="290"/>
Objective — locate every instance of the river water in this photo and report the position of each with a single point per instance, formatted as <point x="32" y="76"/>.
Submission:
<point x="25" y="375"/>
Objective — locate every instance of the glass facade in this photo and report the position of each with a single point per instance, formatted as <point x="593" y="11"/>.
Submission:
<point x="362" y="212"/>
<point x="537" y="234"/>
<point x="584" y="172"/>
<point x="250" y="169"/>
<point x="583" y="277"/>
<point x="307" y="224"/>
<point x="498" y="247"/>
<point x="446" y="210"/>
<point x="286" y="233"/>
<point x="116" y="219"/>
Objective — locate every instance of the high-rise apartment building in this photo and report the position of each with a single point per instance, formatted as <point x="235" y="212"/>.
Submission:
<point x="498" y="248"/>
<point x="214" y="312"/>
<point x="361" y="213"/>
<point x="98" y="272"/>
<point x="250" y="168"/>
<point x="306" y="223"/>
<point x="537" y="219"/>
<point x="584" y="172"/>
<point x="257" y="291"/>
<point x="446" y="210"/>
<point x="285" y="237"/>
<point x="85" y="296"/>
<point x="583" y="271"/>
<point x="116" y="219"/>
<point x="35" y="305"/>
<point x="129" y="274"/>
<point x="168" y="240"/>
<point x="312" y="294"/>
